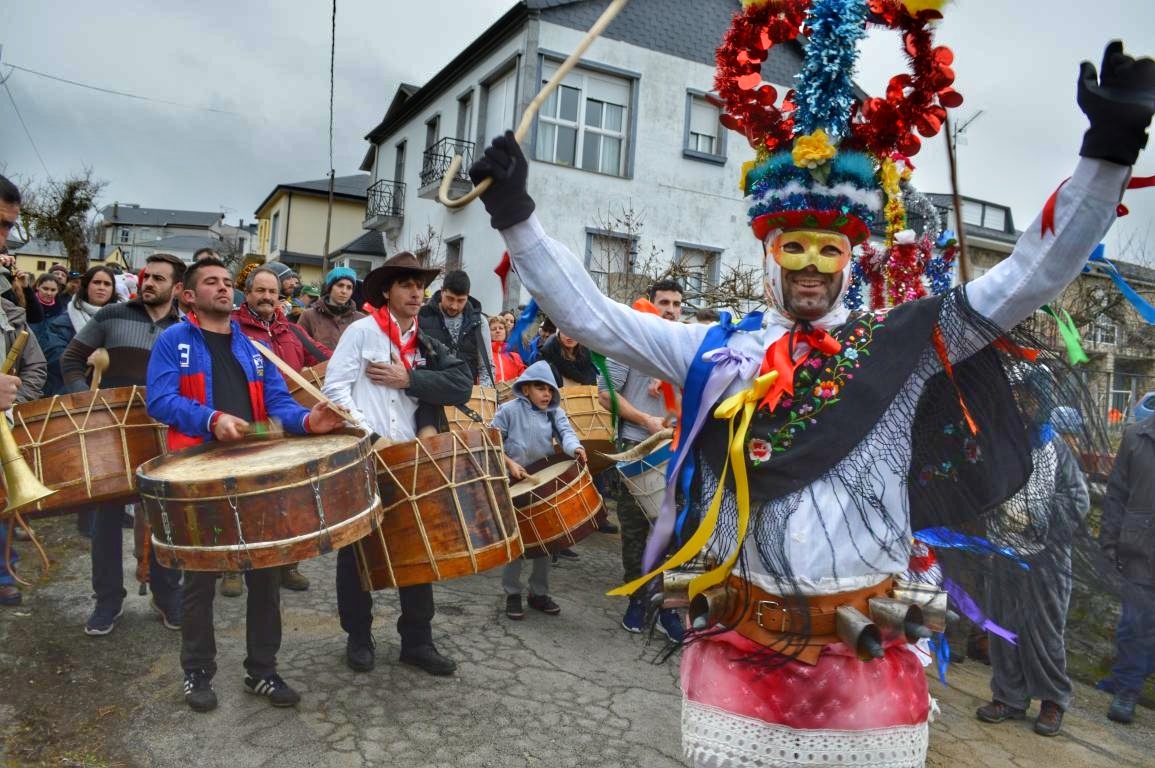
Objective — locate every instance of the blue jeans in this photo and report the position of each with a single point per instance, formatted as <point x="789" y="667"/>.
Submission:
<point x="1135" y="643"/>
<point x="5" y="574"/>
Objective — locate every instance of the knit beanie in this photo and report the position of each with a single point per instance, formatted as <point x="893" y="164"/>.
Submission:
<point x="340" y="273"/>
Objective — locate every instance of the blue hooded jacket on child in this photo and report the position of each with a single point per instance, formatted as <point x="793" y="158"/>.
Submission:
<point x="528" y="433"/>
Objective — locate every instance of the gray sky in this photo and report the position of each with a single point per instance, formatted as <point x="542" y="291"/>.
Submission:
<point x="269" y="62"/>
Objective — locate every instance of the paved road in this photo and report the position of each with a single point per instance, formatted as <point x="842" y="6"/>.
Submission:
<point x="572" y="690"/>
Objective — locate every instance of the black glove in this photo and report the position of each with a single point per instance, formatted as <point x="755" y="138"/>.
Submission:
<point x="506" y="200"/>
<point x="1119" y="105"/>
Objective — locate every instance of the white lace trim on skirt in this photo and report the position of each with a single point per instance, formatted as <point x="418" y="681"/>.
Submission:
<point x="714" y="738"/>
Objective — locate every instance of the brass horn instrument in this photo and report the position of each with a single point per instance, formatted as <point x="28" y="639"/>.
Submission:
<point x="24" y="487"/>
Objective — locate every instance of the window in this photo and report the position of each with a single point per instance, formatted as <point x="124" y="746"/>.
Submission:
<point x="453" y="253"/>
<point x="125" y="235"/>
<point x="41" y="266"/>
<point x="704" y="137"/>
<point x="701" y="267"/>
<point x="988" y="216"/>
<point x="464" y="117"/>
<point x="609" y="258"/>
<point x="399" y="163"/>
<point x="500" y="104"/>
<point x="274" y="229"/>
<point x="1104" y="331"/>
<point x="583" y="123"/>
<point x="432" y="128"/>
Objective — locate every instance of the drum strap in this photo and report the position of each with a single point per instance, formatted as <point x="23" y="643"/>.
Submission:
<point x="472" y="414"/>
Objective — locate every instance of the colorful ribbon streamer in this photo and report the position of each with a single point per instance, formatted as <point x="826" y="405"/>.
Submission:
<point x="971" y="610"/>
<point x="948" y="538"/>
<point x="1075" y="353"/>
<point x="516" y="340"/>
<point x="1098" y="262"/>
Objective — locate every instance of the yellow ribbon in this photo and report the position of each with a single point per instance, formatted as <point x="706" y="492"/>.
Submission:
<point x="742" y="404"/>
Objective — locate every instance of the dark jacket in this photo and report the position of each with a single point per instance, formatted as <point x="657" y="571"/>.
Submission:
<point x="580" y="370"/>
<point x="1127" y="534"/>
<point x="469" y="345"/>
<point x="449" y="385"/>
<point x="54" y="338"/>
<point x="319" y="322"/>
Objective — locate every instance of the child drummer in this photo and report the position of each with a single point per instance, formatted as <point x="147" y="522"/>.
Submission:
<point x="529" y="423"/>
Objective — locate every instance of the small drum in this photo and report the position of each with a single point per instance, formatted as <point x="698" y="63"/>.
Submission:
<point x="556" y="505"/>
<point x="483" y="402"/>
<point x="645" y="478"/>
<point x="316" y="376"/>
<point x="447" y="511"/>
<point x="591" y="422"/>
<point x="259" y="503"/>
<point x="86" y="446"/>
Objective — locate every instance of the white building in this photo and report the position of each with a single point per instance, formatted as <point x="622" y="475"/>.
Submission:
<point x="628" y="160"/>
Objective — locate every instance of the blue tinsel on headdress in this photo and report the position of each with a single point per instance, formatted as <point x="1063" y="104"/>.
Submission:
<point x="824" y="88"/>
<point x="778" y="171"/>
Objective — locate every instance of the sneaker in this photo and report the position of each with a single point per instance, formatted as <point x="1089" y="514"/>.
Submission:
<point x="513" y="609"/>
<point x="271" y="686"/>
<point x="1123" y="707"/>
<point x="545" y="604"/>
<point x="1050" y="719"/>
<point x="293" y="579"/>
<point x="635" y="617"/>
<point x="359" y="653"/>
<point x="670" y="623"/>
<point x="568" y="554"/>
<point x="103" y="619"/>
<point x="198" y="690"/>
<point x="232" y="584"/>
<point x="428" y="658"/>
<point x="170" y="613"/>
<point x="10" y="595"/>
<point x="997" y="712"/>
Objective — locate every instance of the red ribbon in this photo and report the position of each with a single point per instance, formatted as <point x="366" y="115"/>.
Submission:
<point x="1138" y="182"/>
<point x="779" y="358"/>
<point x="502" y="272"/>
<point x="389" y="327"/>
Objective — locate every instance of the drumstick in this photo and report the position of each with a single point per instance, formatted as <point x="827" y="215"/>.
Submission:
<point x="302" y="382"/>
<point x="99" y="359"/>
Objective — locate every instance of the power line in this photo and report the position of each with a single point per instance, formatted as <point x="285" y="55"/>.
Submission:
<point x="27" y="132"/>
<point x="121" y="93"/>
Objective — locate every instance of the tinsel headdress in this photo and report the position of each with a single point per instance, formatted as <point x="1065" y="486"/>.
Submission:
<point x="826" y="159"/>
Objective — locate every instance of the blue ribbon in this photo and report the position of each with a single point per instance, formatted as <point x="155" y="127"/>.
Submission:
<point x="695" y="384"/>
<point x="1098" y="263"/>
<point x="941" y="649"/>
<point x="947" y="538"/>
<point x="516" y="340"/>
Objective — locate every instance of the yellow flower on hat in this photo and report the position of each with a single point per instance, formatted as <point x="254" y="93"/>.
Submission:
<point x="814" y="150"/>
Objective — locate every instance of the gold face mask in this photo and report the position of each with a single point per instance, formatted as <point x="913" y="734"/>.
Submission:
<point x="797" y="249"/>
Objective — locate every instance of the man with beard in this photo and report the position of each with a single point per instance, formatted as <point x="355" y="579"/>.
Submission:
<point x="262" y="319"/>
<point x="453" y="317"/>
<point x="799" y="424"/>
<point x="128" y="331"/>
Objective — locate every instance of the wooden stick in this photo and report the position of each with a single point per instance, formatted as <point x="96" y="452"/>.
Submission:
<point x="964" y="270"/>
<point x="100" y="362"/>
<point x="302" y="382"/>
<point x="595" y="31"/>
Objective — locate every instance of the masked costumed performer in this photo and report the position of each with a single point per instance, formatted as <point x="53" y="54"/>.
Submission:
<point x="800" y="479"/>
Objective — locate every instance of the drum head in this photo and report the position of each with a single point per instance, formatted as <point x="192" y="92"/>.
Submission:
<point x="540" y="476"/>
<point x="248" y="458"/>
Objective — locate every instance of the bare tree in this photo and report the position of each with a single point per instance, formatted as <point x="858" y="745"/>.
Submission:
<point x="62" y="210"/>
<point x="427" y="247"/>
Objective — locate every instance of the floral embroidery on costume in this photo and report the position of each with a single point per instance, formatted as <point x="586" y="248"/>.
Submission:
<point x="965" y="450"/>
<point x="819" y="384"/>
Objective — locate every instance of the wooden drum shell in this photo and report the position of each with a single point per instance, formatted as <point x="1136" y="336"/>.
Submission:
<point x="447" y="511"/>
<point x="286" y="513"/>
<point x="558" y="512"/>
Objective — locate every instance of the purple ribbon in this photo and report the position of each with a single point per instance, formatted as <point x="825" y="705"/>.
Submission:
<point x="971" y="610"/>
<point x="729" y="365"/>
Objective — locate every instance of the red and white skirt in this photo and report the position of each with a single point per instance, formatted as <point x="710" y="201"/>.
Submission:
<point x="839" y="712"/>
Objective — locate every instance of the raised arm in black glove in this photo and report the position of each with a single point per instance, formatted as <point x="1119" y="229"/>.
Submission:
<point x="1119" y="103"/>
<point x="506" y="200"/>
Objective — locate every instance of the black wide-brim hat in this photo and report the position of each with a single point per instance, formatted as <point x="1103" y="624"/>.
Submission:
<point x="397" y="265"/>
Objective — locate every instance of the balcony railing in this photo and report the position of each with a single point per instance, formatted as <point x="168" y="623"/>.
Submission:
<point x="435" y="161"/>
<point x="386" y="198"/>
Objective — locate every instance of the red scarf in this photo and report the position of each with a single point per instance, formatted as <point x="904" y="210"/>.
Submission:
<point x="389" y="327"/>
<point x="784" y="357"/>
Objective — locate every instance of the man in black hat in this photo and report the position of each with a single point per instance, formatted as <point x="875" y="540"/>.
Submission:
<point x="394" y="379"/>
